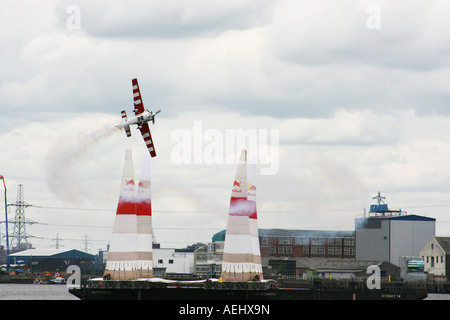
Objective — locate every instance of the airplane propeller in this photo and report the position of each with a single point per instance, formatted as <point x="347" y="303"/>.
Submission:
<point x="154" y="114"/>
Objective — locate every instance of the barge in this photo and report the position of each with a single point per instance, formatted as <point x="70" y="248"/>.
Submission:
<point x="161" y="289"/>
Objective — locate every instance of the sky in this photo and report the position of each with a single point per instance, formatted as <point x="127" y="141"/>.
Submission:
<point x="339" y="99"/>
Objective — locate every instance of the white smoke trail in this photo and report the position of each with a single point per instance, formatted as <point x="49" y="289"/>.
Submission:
<point x="66" y="156"/>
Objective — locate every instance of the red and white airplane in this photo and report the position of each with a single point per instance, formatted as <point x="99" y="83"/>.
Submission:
<point x="141" y="119"/>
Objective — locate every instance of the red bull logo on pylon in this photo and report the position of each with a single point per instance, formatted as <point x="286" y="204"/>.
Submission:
<point x="237" y="186"/>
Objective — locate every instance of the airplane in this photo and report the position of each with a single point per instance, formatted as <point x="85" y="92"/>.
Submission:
<point x="141" y="119"/>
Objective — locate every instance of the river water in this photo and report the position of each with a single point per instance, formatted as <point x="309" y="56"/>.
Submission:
<point x="60" y="292"/>
<point x="436" y="296"/>
<point x="9" y="291"/>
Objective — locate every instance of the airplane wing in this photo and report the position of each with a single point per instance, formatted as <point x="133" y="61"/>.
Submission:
<point x="138" y="105"/>
<point x="145" y="131"/>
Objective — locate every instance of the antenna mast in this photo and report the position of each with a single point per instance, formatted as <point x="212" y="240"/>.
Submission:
<point x="379" y="198"/>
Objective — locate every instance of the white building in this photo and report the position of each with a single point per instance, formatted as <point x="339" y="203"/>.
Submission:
<point x="435" y="254"/>
<point x="169" y="261"/>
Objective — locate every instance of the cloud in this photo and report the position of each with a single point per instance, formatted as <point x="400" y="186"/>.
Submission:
<point x="167" y="19"/>
<point x="320" y="33"/>
<point x="324" y="57"/>
<point x="283" y="59"/>
<point x="344" y="128"/>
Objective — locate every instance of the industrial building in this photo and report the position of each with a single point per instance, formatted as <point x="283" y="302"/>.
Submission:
<point x="387" y="235"/>
<point x="278" y="243"/>
<point x="54" y="260"/>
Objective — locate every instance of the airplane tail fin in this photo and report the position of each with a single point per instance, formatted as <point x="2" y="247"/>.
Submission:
<point x="126" y="127"/>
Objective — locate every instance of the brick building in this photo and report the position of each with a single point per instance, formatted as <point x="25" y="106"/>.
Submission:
<point x="282" y="243"/>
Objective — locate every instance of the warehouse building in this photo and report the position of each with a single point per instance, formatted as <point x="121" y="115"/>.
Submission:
<point x="54" y="260"/>
<point x="279" y="243"/>
<point x="387" y="235"/>
<point x="284" y="243"/>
